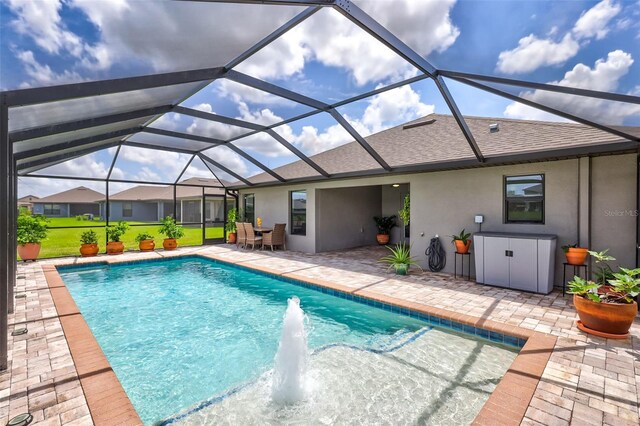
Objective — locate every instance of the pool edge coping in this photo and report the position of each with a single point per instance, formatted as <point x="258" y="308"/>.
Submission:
<point x="506" y="405"/>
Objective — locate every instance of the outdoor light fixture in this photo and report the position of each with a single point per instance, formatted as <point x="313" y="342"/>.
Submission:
<point x="395" y="185"/>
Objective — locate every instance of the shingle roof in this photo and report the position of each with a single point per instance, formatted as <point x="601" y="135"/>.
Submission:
<point x="165" y="193"/>
<point x="77" y="195"/>
<point x="439" y="139"/>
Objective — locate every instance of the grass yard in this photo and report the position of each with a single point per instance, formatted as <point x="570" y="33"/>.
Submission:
<point x="66" y="242"/>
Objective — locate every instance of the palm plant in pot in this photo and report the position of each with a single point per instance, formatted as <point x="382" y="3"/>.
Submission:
<point x="172" y="232"/>
<point x="89" y="243"/>
<point x="400" y="259"/>
<point x="30" y="232"/>
<point x="114" y="234"/>
<point x="462" y="241"/>
<point x="606" y="307"/>
<point x="232" y="218"/>
<point x="145" y="241"/>
<point x="384" y="224"/>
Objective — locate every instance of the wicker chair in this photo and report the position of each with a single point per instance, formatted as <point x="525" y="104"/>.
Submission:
<point x="275" y="237"/>
<point x="252" y="238"/>
<point x="241" y="237"/>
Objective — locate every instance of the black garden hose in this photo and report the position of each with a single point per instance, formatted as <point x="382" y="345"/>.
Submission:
<point x="436" y="255"/>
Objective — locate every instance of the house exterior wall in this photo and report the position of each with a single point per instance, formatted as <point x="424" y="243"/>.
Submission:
<point x="143" y="211"/>
<point x="38" y="208"/>
<point x="344" y="217"/>
<point x="444" y="202"/>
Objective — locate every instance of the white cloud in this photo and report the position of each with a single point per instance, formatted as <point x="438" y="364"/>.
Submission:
<point x="156" y="165"/>
<point x="533" y="52"/>
<point x="43" y="75"/>
<point x="593" y="22"/>
<point x="604" y="76"/>
<point x="395" y="106"/>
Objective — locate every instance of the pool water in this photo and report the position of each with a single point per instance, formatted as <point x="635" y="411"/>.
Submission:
<point x="194" y="336"/>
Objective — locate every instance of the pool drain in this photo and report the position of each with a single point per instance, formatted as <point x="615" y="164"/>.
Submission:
<point x="21" y="277"/>
<point x="21" y="296"/>
<point x="19" y="331"/>
<point x="21" y="420"/>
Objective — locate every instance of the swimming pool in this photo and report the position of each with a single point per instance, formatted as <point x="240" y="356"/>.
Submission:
<point x="198" y="337"/>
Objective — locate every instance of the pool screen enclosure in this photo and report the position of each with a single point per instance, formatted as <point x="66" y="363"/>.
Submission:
<point x="44" y="126"/>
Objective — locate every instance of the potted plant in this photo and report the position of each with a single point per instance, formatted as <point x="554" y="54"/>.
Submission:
<point x="114" y="233"/>
<point x="31" y="231"/>
<point x="89" y="243"/>
<point x="400" y="259"/>
<point x="145" y="241"/>
<point x="607" y="310"/>
<point x="172" y="231"/>
<point x="405" y="214"/>
<point x="384" y="225"/>
<point x="575" y="255"/>
<point x="462" y="242"/>
<point x="232" y="218"/>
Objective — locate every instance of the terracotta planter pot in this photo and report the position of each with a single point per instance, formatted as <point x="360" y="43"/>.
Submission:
<point x="609" y="318"/>
<point x="232" y="237"/>
<point x="461" y="247"/>
<point x="146" y="245"/>
<point x="576" y="255"/>
<point x="382" y="239"/>
<point x="89" y="250"/>
<point x="115" y="247"/>
<point x="29" y="251"/>
<point x="170" y="244"/>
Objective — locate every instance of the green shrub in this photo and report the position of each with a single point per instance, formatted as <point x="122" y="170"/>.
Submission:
<point x="144" y="236"/>
<point x="89" y="237"/>
<point x="30" y="229"/>
<point x="170" y="229"/>
<point x="115" y="232"/>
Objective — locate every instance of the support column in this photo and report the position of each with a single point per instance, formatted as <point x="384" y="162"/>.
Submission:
<point x="584" y="202"/>
<point x="6" y="245"/>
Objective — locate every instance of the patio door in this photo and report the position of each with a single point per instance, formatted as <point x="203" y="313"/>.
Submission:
<point x="214" y="219"/>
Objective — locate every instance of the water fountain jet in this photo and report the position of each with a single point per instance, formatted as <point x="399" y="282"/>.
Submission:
<point x="289" y="376"/>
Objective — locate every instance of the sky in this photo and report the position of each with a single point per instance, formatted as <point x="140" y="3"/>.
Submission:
<point x="586" y="44"/>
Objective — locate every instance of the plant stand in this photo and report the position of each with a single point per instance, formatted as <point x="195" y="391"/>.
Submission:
<point x="455" y="265"/>
<point x="576" y="271"/>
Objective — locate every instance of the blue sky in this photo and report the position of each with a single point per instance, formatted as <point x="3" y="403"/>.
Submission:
<point x="586" y="44"/>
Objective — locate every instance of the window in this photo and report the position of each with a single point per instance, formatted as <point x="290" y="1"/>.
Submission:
<point x="249" y="208"/>
<point x="127" y="209"/>
<point x="524" y="199"/>
<point x="52" y="209"/>
<point x="298" y="207"/>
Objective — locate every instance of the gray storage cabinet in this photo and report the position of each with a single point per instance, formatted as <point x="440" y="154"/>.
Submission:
<point x="519" y="261"/>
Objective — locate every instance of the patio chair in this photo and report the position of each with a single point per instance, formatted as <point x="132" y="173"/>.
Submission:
<point x="241" y="237"/>
<point x="252" y="238"/>
<point x="275" y="237"/>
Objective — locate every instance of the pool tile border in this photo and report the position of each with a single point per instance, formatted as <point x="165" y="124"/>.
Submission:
<point x="107" y="401"/>
<point x="506" y="405"/>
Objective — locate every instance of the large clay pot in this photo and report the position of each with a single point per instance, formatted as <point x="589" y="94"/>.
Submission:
<point x="576" y="255"/>
<point x="383" y="239"/>
<point x="170" y="244"/>
<point x="609" y="318"/>
<point x="462" y="247"/>
<point x="29" y="251"/>
<point x="146" y="245"/>
<point x="232" y="237"/>
<point x="115" y="247"/>
<point x="89" y="250"/>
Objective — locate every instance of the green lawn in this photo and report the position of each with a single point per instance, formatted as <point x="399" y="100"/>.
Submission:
<point x="66" y="242"/>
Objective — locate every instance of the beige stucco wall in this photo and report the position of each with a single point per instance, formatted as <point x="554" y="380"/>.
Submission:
<point x="445" y="202"/>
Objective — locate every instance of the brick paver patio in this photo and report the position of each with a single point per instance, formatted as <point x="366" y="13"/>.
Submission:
<point x="587" y="380"/>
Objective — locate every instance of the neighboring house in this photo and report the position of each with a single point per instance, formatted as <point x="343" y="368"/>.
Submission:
<point x="76" y="201"/>
<point x="580" y="184"/>
<point x="26" y="202"/>
<point x="146" y="203"/>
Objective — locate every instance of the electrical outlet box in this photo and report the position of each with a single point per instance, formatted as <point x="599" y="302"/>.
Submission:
<point x="479" y="218"/>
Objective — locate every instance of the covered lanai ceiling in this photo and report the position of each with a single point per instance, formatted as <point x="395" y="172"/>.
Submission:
<point x="128" y="116"/>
